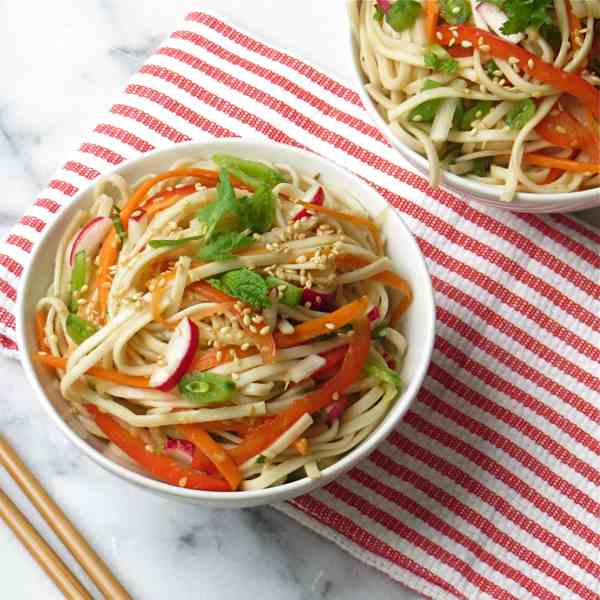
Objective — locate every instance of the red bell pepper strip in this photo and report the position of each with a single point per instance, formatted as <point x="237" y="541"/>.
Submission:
<point x="159" y="465"/>
<point x="263" y="436"/>
<point x="570" y="83"/>
<point x="561" y="129"/>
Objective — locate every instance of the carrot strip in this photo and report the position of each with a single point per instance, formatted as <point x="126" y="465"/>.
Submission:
<point x="565" y="164"/>
<point x="323" y="325"/>
<point x="432" y="13"/>
<point x="301" y="446"/>
<point x="40" y="323"/>
<point x="214" y="452"/>
<point x="574" y="26"/>
<point x="351" y="218"/>
<point x="213" y="358"/>
<point x="162" y="467"/>
<point x="264" y="343"/>
<point x="106" y="259"/>
<point x="59" y="362"/>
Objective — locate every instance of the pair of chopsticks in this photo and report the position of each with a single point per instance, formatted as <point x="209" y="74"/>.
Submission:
<point x="62" y="527"/>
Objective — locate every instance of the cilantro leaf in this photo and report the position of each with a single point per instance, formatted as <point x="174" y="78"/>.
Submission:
<point x="213" y="215"/>
<point x="245" y="285"/>
<point x="257" y="212"/>
<point x="223" y="245"/>
<point x="522" y="14"/>
<point x="252" y="173"/>
<point x="384" y="374"/>
<point x="438" y="59"/>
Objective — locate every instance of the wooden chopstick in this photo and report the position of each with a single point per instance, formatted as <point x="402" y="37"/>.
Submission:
<point x="60" y="524"/>
<point x="56" y="569"/>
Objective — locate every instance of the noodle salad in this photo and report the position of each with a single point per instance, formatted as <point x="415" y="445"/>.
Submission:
<point x="502" y="92"/>
<point x="225" y="325"/>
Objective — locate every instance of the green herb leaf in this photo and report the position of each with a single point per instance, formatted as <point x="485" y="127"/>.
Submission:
<point x="261" y="459"/>
<point x="523" y="112"/>
<point x="214" y="215"/>
<point x="115" y="215"/>
<point x="174" y="243"/>
<point x="257" y="212"/>
<point x="425" y="112"/>
<point x="455" y="12"/>
<point x="206" y="388"/>
<point x="403" y="14"/>
<point x="224" y="245"/>
<point x="438" y="59"/>
<point x="522" y="14"/>
<point x="379" y="331"/>
<point x="78" y="278"/>
<point x="245" y="285"/>
<point x="378" y="15"/>
<point x="291" y="295"/>
<point x="384" y="375"/>
<point x="481" y="166"/>
<point x="79" y="329"/>
<point x="252" y="173"/>
<point x="475" y="113"/>
<point x="490" y="68"/>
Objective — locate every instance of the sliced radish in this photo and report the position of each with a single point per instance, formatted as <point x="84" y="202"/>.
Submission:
<point x="136" y="225"/>
<point x="323" y="301"/>
<point x="335" y="409"/>
<point x="318" y="198"/>
<point x="374" y="314"/>
<point x="179" y="356"/>
<point x="384" y="5"/>
<point x="180" y="449"/>
<point x="495" y="19"/>
<point x="90" y="237"/>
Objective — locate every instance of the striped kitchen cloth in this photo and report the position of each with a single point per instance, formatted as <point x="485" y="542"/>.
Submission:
<point x="489" y="488"/>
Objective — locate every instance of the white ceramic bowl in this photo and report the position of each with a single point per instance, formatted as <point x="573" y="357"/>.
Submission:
<point x="419" y="322"/>
<point x="461" y="186"/>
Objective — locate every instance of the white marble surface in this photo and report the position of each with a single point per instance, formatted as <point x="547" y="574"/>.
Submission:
<point x="62" y="63"/>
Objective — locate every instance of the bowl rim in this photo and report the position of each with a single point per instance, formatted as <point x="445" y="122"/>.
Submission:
<point x="450" y="180"/>
<point x="266" y="495"/>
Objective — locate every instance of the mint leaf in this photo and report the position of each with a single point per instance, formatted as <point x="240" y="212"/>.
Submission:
<point x="245" y="285"/>
<point x="257" y="212"/>
<point x="214" y="215"/>
<point x="526" y="13"/>
<point x="224" y="245"/>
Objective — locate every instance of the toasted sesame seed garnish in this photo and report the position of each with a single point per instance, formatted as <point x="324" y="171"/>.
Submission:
<point x="183" y="482"/>
<point x="330" y="326"/>
<point x="235" y="376"/>
<point x="265" y="330"/>
<point x="335" y="396"/>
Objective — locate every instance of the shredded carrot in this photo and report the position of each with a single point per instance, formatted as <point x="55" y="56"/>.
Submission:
<point x="351" y="218"/>
<point x="323" y="325"/>
<point x="101" y="282"/>
<point x="574" y="25"/>
<point x="59" y="362"/>
<point x="565" y="164"/>
<point x="40" y="323"/>
<point x="554" y="173"/>
<point x="215" y="453"/>
<point x="432" y="13"/>
<point x="301" y="445"/>
<point x="212" y="358"/>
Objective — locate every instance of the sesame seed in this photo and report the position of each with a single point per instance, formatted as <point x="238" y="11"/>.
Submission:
<point x="253" y="329"/>
<point x="183" y="482"/>
<point x="224" y="330"/>
<point x="245" y="346"/>
<point x="235" y="376"/>
<point x="330" y="326"/>
<point x="531" y="63"/>
<point x="265" y="330"/>
<point x="335" y="396"/>
<point x="466" y="44"/>
<point x="219" y="355"/>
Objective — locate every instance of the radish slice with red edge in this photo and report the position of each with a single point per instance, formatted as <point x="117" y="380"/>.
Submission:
<point x="318" y="198"/>
<point x="335" y="409"/>
<point x="90" y="237"/>
<point x="179" y="449"/>
<point x="495" y="19"/>
<point x="179" y="356"/>
<point x="323" y="301"/>
<point x="374" y="314"/>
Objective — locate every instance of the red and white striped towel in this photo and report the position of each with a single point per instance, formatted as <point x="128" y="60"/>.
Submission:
<point x="489" y="488"/>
